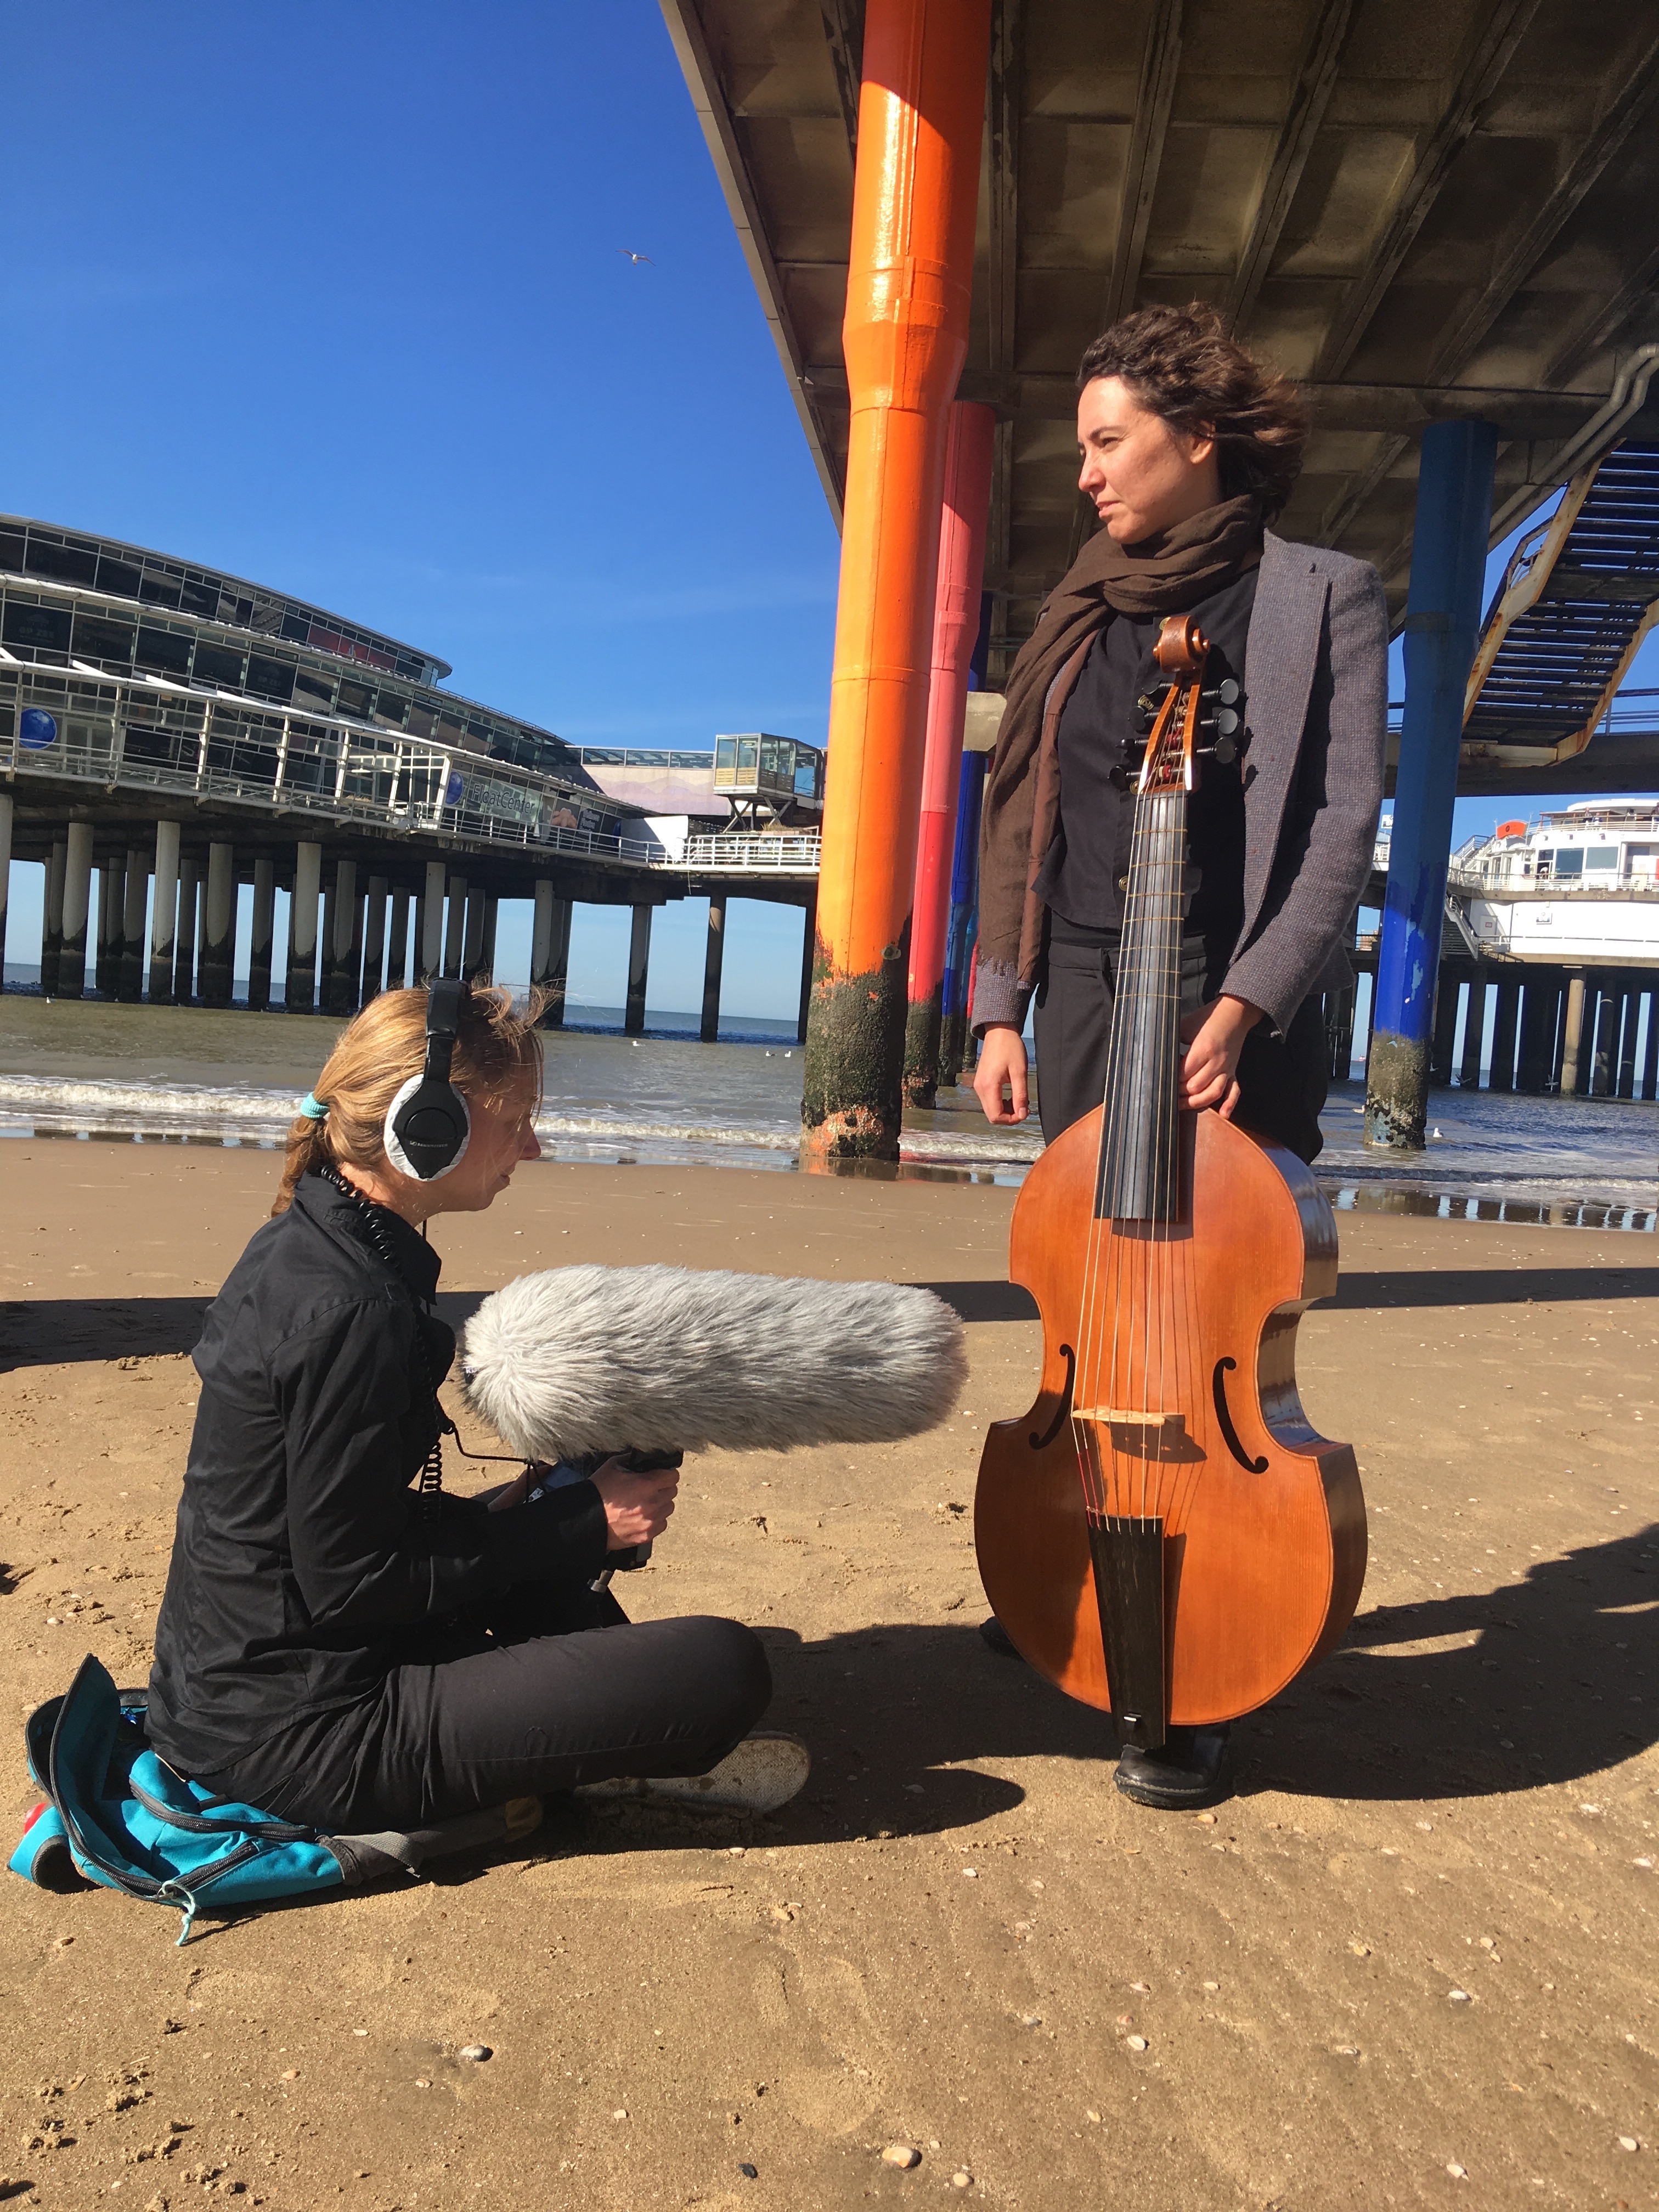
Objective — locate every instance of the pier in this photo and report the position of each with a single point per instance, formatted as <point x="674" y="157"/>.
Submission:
<point x="1446" y="409"/>
<point x="174" y="740"/>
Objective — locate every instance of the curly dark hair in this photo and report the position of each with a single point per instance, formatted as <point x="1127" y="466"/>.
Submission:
<point x="1184" y="365"/>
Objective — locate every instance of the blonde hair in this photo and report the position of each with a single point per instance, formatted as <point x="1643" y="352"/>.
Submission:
<point x="497" y="1051"/>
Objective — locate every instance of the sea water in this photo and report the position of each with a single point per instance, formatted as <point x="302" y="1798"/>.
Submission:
<point x="137" y="1073"/>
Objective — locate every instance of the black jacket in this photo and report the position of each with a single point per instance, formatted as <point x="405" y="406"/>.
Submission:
<point x="302" y="1553"/>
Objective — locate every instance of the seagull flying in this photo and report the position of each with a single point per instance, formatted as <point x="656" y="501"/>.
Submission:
<point x="635" y="258"/>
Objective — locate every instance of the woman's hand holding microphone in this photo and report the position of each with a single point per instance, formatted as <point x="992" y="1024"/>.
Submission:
<point x="637" y="1505"/>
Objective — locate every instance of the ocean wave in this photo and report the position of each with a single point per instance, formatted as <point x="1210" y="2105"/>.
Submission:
<point x="247" y="1112"/>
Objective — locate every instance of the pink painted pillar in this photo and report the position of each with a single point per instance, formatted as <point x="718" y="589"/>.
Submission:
<point x="956" y="625"/>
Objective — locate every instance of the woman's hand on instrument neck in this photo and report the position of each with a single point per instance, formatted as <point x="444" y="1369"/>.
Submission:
<point x="1002" y="1068"/>
<point x="637" y="1506"/>
<point x="1214" y="1037"/>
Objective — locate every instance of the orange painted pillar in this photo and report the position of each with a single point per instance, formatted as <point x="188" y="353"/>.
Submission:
<point x="955" y="626"/>
<point x="914" y="197"/>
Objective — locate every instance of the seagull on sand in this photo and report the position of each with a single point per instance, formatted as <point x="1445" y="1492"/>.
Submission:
<point x="635" y="258"/>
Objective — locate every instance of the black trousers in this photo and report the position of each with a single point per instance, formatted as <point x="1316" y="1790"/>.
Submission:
<point x="548" y="1686"/>
<point x="1282" y="1082"/>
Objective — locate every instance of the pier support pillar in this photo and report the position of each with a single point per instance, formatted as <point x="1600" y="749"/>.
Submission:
<point x="109" y="906"/>
<point x="964" y="912"/>
<point x="340" y="926"/>
<point x="808" y="952"/>
<point x="374" y="939"/>
<point x="1443" y="616"/>
<point x="164" y="913"/>
<point x="325" y="948"/>
<point x="1646" y="1084"/>
<point x="714" y="960"/>
<point x="301" y="991"/>
<point x="129" y="967"/>
<point x="1539" y="1004"/>
<point x="1444" y="1039"/>
<point x="1604" y="1035"/>
<point x="1505" y="1025"/>
<point x="549" y="951"/>
<point x="916" y="189"/>
<point x="455" y="927"/>
<point x="492" y="914"/>
<point x="78" y="910"/>
<point x="1474" y="1030"/>
<point x="1339" y="1032"/>
<point x="1572" y="1037"/>
<point x="189" y="934"/>
<point x="354" y="960"/>
<point x="5" y="878"/>
<point x="1630" y="1008"/>
<point x="218" y="925"/>
<point x="429" y="953"/>
<point x="638" y="962"/>
<point x="262" y="931"/>
<point x="396" y="952"/>
<point x="969" y="440"/>
<point x="51" y="918"/>
<point x="472" y="949"/>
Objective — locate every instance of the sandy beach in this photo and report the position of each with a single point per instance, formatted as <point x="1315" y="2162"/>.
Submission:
<point x="1410" y="1962"/>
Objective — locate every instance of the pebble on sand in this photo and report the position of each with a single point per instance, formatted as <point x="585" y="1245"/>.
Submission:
<point x="1628" y="2143"/>
<point x="1460" y="1996"/>
<point x="1457" y="2173"/>
<point x="962" y="2179"/>
<point x="1136" y="2042"/>
<point x="901" y="2153"/>
<point x="749" y="2173"/>
<point x="477" y="2052"/>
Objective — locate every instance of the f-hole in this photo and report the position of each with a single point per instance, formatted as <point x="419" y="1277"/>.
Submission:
<point x="1223" y="1369"/>
<point x="1062" y="1412"/>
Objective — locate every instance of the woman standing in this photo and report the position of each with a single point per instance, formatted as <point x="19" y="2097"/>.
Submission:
<point x="1190" y="449"/>
<point x="341" y="1643"/>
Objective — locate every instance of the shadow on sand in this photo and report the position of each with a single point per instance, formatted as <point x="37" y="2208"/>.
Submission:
<point x="1551" y="1680"/>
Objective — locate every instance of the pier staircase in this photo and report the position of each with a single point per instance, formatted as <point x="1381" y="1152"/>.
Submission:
<point x="1580" y="594"/>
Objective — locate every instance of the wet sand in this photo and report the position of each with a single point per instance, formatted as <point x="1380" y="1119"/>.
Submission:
<point x="961" y="1937"/>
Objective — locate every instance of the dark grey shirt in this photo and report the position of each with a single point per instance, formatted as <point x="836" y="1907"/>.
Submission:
<point x="1082" y="878"/>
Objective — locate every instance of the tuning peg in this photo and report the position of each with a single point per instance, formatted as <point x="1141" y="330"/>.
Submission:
<point x="1225" y="694"/>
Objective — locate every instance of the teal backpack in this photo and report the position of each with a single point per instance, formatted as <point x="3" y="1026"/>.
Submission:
<point x="115" y="1813"/>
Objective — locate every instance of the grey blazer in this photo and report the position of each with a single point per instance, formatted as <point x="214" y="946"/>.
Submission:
<point x="1316" y="693"/>
<point x="1315" y="681"/>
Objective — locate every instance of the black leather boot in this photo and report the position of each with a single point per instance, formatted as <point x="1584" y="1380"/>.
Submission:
<point x="1189" y="1770"/>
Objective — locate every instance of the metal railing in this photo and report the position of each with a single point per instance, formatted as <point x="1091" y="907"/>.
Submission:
<point x="168" y="740"/>
<point x="1469" y="883"/>
<point x="798" y="855"/>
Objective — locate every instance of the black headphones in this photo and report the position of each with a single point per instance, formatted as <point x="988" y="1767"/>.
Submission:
<point x="427" y="1124"/>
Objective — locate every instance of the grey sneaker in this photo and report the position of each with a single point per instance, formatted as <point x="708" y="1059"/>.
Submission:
<point x="765" y="1771"/>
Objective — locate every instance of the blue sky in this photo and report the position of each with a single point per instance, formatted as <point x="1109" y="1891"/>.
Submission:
<point x="332" y="297"/>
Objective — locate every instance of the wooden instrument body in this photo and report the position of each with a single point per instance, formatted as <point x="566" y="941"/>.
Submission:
<point x="1263" y="1563"/>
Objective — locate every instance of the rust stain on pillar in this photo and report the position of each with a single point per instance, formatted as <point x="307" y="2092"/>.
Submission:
<point x="956" y="625"/>
<point x="921" y="117"/>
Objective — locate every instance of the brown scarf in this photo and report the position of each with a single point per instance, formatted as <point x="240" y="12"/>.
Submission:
<point x="1165" y="574"/>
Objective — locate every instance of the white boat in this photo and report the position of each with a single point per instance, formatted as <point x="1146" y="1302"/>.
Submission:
<point x="1579" y="887"/>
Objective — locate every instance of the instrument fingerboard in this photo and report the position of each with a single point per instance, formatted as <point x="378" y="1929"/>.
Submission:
<point x="1138" y="1178"/>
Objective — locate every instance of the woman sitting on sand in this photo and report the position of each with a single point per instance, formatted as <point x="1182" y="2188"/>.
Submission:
<point x="344" y="1645"/>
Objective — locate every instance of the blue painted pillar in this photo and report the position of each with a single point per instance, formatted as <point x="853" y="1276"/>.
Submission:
<point x="965" y="906"/>
<point x="1443" y="621"/>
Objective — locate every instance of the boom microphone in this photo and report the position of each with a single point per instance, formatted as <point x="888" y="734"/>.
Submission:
<point x="588" y="1359"/>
